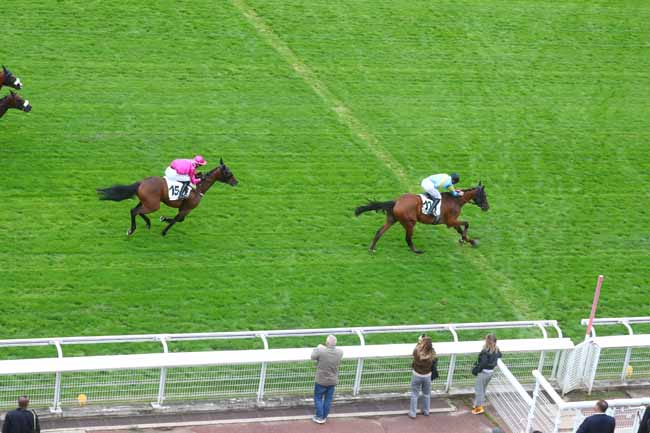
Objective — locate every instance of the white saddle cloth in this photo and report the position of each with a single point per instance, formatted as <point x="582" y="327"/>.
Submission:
<point x="174" y="189"/>
<point x="428" y="206"/>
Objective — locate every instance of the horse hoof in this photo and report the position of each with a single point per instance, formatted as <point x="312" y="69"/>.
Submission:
<point x="474" y="242"/>
<point x="461" y="241"/>
<point x="162" y="219"/>
<point x="129" y="232"/>
<point x="418" y="252"/>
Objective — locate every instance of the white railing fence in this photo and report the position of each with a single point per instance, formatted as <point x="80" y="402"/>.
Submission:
<point x="509" y="398"/>
<point x="576" y="367"/>
<point x="546" y="411"/>
<point x="622" y="360"/>
<point x="258" y="375"/>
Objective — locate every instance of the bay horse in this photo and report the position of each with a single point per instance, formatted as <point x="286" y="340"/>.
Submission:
<point x="14" y="100"/>
<point x="9" y="79"/>
<point x="153" y="190"/>
<point x="407" y="209"/>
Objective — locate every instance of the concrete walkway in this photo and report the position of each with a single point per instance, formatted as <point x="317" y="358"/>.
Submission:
<point x="362" y="417"/>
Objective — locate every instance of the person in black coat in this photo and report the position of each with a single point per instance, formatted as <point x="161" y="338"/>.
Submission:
<point x="599" y="422"/>
<point x="645" y="422"/>
<point x="21" y="420"/>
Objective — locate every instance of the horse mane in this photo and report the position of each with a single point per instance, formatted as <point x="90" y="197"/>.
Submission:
<point x="209" y="173"/>
<point x="464" y="190"/>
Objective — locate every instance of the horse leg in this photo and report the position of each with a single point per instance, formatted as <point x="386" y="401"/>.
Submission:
<point x="390" y="220"/>
<point x="462" y="236"/>
<point x="146" y="220"/>
<point x="408" y="226"/>
<point x="180" y="216"/>
<point x="142" y="209"/>
<point x="473" y="242"/>
<point x="134" y="212"/>
<point x="462" y="231"/>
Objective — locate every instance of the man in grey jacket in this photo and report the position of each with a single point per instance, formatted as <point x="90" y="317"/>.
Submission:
<point x="328" y="359"/>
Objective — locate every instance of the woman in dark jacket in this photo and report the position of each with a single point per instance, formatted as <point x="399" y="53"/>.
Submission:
<point x="424" y="358"/>
<point x="483" y="370"/>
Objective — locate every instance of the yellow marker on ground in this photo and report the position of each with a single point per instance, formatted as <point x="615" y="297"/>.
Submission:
<point x="629" y="371"/>
<point x="82" y="399"/>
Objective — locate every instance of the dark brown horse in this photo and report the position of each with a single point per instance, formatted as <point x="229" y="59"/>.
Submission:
<point x="14" y="100"/>
<point x="153" y="190"/>
<point x="9" y="79"/>
<point x="407" y="209"/>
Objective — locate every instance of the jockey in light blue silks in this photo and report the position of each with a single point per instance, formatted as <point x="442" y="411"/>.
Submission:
<point x="437" y="182"/>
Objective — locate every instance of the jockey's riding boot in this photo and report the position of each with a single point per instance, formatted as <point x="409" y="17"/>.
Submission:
<point x="185" y="193"/>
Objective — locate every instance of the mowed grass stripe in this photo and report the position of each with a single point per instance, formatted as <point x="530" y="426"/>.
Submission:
<point x="303" y="70"/>
<point x="502" y="283"/>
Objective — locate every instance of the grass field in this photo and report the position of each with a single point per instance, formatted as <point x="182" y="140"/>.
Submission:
<point x="317" y="106"/>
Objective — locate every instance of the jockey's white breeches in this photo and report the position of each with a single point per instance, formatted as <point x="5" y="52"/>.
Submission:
<point x="171" y="174"/>
<point x="430" y="187"/>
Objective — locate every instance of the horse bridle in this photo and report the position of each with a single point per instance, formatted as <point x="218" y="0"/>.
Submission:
<point x="481" y="194"/>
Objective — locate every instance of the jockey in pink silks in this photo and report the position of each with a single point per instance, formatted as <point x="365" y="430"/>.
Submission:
<point x="184" y="170"/>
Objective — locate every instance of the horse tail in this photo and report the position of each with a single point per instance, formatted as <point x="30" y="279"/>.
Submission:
<point x="377" y="206"/>
<point x="118" y="192"/>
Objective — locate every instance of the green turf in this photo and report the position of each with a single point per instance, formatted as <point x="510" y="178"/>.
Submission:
<point x="547" y="103"/>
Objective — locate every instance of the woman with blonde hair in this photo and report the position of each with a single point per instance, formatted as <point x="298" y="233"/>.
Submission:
<point x="483" y="370"/>
<point x="424" y="361"/>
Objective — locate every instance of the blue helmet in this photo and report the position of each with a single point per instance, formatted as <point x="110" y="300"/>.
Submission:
<point x="455" y="178"/>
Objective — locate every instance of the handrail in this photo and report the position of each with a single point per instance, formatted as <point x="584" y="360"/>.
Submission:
<point x="584" y="404"/>
<point x="514" y="382"/>
<point x="548" y="388"/>
<point x="644" y="401"/>
<point x="618" y="320"/>
<point x="255" y="356"/>
<point x="141" y="338"/>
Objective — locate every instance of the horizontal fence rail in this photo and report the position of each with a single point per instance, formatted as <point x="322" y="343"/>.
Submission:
<point x="627" y="322"/>
<point x="257" y="375"/>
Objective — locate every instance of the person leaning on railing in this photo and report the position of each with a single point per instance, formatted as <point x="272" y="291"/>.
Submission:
<point x="483" y="370"/>
<point x="328" y="359"/>
<point x="425" y="369"/>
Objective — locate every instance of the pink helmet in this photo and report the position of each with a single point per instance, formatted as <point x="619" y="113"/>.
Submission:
<point x="199" y="160"/>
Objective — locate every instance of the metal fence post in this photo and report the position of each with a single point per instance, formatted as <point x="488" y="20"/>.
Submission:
<point x="557" y="421"/>
<point x="540" y="365"/>
<point x="163" y="377"/>
<point x="357" y="378"/>
<point x="593" y="365"/>
<point x="56" y="402"/>
<point x="628" y="352"/>
<point x="558" y="354"/>
<point x="531" y="411"/>
<point x="260" y="387"/>
<point x="452" y="362"/>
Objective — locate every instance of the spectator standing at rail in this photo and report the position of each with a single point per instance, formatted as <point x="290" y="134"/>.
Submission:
<point x="328" y="359"/>
<point x="599" y="422"/>
<point x="483" y="370"/>
<point x="644" y="427"/>
<point x="424" y="370"/>
<point x="21" y="420"/>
